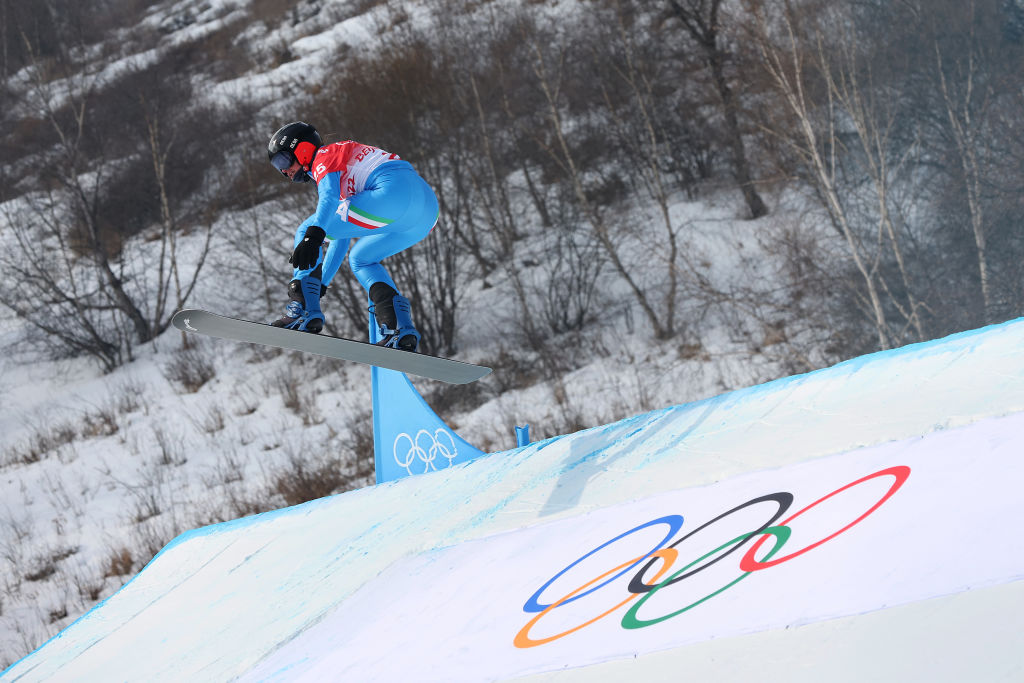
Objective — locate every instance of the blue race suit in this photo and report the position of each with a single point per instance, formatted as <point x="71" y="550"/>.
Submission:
<point x="372" y="196"/>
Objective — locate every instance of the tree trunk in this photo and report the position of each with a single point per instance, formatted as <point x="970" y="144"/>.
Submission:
<point x="704" y="30"/>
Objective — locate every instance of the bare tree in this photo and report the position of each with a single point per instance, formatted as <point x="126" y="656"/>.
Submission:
<point x="702" y="21"/>
<point x="550" y="79"/>
<point x="172" y="279"/>
<point x="95" y="288"/>
<point x="957" y="95"/>
<point x="84" y="307"/>
<point x="966" y="95"/>
<point x="820" y="95"/>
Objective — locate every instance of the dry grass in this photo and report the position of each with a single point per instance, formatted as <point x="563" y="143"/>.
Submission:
<point x="190" y="369"/>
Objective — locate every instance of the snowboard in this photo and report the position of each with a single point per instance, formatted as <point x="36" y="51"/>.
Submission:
<point x="235" y="329"/>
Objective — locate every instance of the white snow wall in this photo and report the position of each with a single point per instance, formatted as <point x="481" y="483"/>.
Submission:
<point x="810" y="519"/>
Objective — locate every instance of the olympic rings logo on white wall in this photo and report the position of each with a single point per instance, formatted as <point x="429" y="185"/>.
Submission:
<point x="425" y="447"/>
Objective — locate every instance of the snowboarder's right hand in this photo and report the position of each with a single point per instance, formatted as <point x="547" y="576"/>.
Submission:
<point x="307" y="253"/>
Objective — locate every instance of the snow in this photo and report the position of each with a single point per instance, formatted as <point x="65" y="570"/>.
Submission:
<point x="146" y="460"/>
<point x="836" y="650"/>
<point x="278" y="595"/>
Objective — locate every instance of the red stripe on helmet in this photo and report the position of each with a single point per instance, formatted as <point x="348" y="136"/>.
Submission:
<point x="304" y="152"/>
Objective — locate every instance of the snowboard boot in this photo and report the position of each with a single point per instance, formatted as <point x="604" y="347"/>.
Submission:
<point x="394" y="318"/>
<point x="303" y="311"/>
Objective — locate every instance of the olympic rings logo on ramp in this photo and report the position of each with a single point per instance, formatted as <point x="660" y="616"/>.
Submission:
<point x="667" y="556"/>
<point x="426" y="448"/>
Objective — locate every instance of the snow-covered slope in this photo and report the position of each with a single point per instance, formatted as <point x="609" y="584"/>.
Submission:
<point x="891" y="481"/>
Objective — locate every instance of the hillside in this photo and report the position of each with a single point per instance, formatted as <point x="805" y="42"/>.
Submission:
<point x="642" y="205"/>
<point x="522" y="562"/>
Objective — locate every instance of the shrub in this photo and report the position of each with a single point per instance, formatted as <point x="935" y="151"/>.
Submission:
<point x="303" y="479"/>
<point x="119" y="563"/>
<point x="190" y="368"/>
<point x="299" y="396"/>
<point x="46" y="438"/>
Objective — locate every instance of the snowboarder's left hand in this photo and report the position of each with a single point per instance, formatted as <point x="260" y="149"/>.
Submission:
<point x="307" y="253"/>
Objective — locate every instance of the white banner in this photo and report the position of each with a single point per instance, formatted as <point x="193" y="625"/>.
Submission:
<point x="837" y="536"/>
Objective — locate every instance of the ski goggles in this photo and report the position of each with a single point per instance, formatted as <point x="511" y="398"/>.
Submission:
<point x="282" y="161"/>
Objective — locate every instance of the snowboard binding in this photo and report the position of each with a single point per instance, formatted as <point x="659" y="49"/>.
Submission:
<point x="303" y="311"/>
<point x="393" y="314"/>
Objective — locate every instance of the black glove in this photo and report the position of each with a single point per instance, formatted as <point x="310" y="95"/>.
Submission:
<point x="306" y="254"/>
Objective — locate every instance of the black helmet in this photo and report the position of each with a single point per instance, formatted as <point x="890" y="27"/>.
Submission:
<point x="297" y="141"/>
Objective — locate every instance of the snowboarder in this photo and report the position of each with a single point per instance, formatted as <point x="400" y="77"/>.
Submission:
<point x="365" y="194"/>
